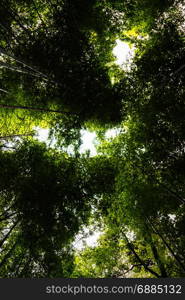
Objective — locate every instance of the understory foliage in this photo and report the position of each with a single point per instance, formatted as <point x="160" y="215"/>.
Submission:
<point x="58" y="72"/>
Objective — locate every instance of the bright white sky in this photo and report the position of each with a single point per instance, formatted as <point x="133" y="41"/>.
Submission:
<point x="88" y="142"/>
<point x="86" y="239"/>
<point x="123" y="54"/>
<point x="42" y="134"/>
<point x="89" y="139"/>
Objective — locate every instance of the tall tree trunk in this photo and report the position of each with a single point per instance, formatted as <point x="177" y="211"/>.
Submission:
<point x="5" y="137"/>
<point x="4" y="91"/>
<point x="40" y="17"/>
<point x="155" y="253"/>
<point x="20" y="70"/>
<point x="8" y="234"/>
<point x="177" y="259"/>
<point x="36" y="109"/>
<point x="7" y="217"/>
<point x="148" y="269"/>
<point x="3" y="51"/>
<point x="6" y="210"/>
<point x="173" y="193"/>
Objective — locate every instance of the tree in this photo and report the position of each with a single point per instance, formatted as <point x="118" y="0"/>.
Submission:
<point x="45" y="194"/>
<point x="56" y="72"/>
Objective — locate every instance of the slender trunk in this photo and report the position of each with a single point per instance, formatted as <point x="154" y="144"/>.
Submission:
<point x="7" y="217"/>
<point x="8" y="234"/>
<point x="36" y="109"/>
<point x="177" y="196"/>
<point x="6" y="210"/>
<point x="178" y="70"/>
<point x="173" y="193"/>
<point x="27" y="65"/>
<point x="12" y="68"/>
<point x="5" y="137"/>
<point x="4" y="91"/>
<point x="156" y="255"/>
<point x="139" y="259"/>
<point x="3" y="51"/>
<point x="158" y="260"/>
<point x="40" y="17"/>
<point x="178" y="260"/>
<point x="18" y="20"/>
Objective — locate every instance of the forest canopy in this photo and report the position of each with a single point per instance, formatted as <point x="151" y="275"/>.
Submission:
<point x="58" y="72"/>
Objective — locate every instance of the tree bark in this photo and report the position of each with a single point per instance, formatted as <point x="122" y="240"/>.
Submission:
<point x="5" y="137"/>
<point x="8" y="234"/>
<point x="7" y="217"/>
<point x="148" y="269"/>
<point x="167" y="246"/>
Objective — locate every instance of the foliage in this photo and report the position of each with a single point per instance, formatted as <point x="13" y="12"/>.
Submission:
<point x="57" y="71"/>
